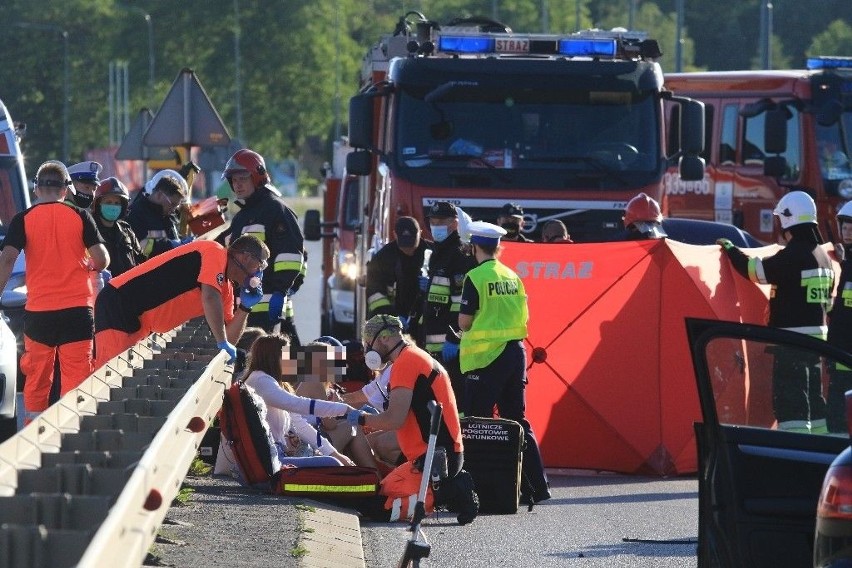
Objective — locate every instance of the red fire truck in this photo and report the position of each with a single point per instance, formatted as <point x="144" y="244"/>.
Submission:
<point x="768" y="132"/>
<point x="568" y="126"/>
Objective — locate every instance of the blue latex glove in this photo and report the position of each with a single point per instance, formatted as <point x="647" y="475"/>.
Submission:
<point x="404" y="320"/>
<point x="187" y="239"/>
<point x="174" y="243"/>
<point x="105" y="275"/>
<point x="249" y="297"/>
<point x="352" y="417"/>
<point x="449" y="351"/>
<point x="229" y="349"/>
<point x="276" y="306"/>
<point x="423" y="283"/>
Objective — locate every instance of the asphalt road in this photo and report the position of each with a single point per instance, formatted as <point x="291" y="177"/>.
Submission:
<point x="585" y="523"/>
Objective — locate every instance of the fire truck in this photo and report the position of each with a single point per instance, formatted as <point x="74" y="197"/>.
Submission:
<point x="767" y="133"/>
<point x="336" y="226"/>
<point x="567" y="126"/>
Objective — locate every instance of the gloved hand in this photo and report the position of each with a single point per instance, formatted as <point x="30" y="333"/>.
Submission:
<point x="725" y="244"/>
<point x="276" y="306"/>
<point x="174" y="243"/>
<point x="229" y="349"/>
<point x="404" y="320"/>
<point x="449" y="351"/>
<point x="187" y="239"/>
<point x="105" y="276"/>
<point x="251" y="295"/>
<point x="423" y="283"/>
<point x="352" y="416"/>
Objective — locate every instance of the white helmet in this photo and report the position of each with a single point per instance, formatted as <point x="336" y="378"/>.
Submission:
<point x="845" y="213"/>
<point x="152" y="183"/>
<point x="796" y="208"/>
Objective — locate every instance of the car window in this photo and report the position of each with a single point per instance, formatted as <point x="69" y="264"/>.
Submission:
<point x="768" y="385"/>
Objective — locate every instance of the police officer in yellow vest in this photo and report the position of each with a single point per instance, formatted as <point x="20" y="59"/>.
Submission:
<point x="493" y="318"/>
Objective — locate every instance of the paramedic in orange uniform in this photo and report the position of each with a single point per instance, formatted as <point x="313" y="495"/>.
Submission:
<point x="415" y="379"/>
<point x="184" y="283"/>
<point x="63" y="247"/>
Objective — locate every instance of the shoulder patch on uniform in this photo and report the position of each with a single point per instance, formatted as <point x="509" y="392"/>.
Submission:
<point x="220" y="278"/>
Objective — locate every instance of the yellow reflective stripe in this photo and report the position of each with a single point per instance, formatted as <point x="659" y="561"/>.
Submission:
<point x="381" y="302"/>
<point x="434" y="347"/>
<point x="255" y="230"/>
<point x="441" y="281"/>
<point x="312" y="488"/>
<point x="490" y="334"/>
<point x="148" y="247"/>
<point x="756" y="272"/>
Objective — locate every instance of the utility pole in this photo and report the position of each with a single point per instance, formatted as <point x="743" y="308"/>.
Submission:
<point x="237" y="79"/>
<point x="150" y="25"/>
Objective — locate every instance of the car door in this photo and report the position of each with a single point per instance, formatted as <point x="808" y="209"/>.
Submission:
<point x="758" y="486"/>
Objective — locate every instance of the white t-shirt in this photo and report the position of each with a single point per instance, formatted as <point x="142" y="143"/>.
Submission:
<point x="376" y="390"/>
<point x="280" y="404"/>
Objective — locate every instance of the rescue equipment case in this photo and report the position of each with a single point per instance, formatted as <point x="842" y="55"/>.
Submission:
<point x="329" y="482"/>
<point x="492" y="455"/>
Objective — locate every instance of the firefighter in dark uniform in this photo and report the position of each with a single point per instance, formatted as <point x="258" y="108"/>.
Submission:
<point x="511" y="218"/>
<point x="392" y="273"/>
<point x="111" y="200"/>
<point x="449" y="262"/>
<point x="802" y="279"/>
<point x="493" y="320"/>
<point x="153" y="212"/>
<point x="264" y="214"/>
<point x="643" y="220"/>
<point x="840" y="324"/>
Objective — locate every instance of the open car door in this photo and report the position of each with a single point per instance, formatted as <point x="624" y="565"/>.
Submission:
<point x="758" y="485"/>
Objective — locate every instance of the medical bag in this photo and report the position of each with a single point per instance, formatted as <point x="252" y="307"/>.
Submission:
<point x="330" y="481"/>
<point x="492" y="455"/>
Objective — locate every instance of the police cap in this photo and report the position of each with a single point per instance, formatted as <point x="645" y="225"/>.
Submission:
<point x="484" y="233"/>
<point x="512" y="210"/>
<point x="88" y="172"/>
<point x="442" y="209"/>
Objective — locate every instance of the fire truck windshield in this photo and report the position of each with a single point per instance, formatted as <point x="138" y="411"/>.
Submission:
<point x="575" y="134"/>
<point x="834" y="143"/>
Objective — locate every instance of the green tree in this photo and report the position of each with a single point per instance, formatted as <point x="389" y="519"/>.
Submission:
<point x="835" y="40"/>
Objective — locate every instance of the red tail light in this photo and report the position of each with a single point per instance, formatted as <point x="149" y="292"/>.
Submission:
<point x="835" y="499"/>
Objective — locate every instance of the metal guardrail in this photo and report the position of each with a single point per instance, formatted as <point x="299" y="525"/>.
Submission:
<point x="90" y="480"/>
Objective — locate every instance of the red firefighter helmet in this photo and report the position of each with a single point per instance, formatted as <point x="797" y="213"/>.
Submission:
<point x="246" y="160"/>
<point x="112" y="186"/>
<point x="642" y="208"/>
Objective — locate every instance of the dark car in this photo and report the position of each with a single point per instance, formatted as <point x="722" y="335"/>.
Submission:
<point x="758" y="485"/>
<point x="699" y="232"/>
<point x="833" y="540"/>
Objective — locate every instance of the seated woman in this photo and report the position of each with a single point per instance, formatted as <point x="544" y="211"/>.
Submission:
<point x="318" y="372"/>
<point x="297" y="441"/>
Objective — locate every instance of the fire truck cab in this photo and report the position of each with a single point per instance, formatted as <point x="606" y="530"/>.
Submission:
<point x="568" y="126"/>
<point x="767" y="133"/>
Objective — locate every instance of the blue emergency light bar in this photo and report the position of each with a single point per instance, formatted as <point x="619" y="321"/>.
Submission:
<point x="587" y="47"/>
<point x="466" y="44"/>
<point x="829" y="63"/>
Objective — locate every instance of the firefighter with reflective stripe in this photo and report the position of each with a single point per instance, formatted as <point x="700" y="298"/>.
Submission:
<point x="493" y="320"/>
<point x="415" y="380"/>
<point x="63" y="247"/>
<point x="448" y="265"/>
<point x="153" y="212"/>
<point x="802" y="278"/>
<point x="264" y="215"/>
<point x="393" y="271"/>
<point x="840" y="324"/>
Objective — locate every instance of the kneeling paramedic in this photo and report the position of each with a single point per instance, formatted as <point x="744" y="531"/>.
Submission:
<point x="415" y="380"/>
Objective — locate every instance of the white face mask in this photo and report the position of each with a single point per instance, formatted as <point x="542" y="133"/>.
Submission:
<point x="439" y="232"/>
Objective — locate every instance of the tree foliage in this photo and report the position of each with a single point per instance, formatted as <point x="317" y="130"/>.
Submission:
<point x="299" y="61"/>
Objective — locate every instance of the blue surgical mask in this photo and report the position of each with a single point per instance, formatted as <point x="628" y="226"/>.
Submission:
<point x="110" y="212"/>
<point x="439" y="232"/>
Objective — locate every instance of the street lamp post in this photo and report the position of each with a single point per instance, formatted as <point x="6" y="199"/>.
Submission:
<point x="150" y="25"/>
<point x="66" y="93"/>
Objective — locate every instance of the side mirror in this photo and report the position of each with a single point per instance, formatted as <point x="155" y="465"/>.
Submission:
<point x="361" y="121"/>
<point x="692" y="128"/>
<point x="691" y="168"/>
<point x="359" y="163"/>
<point x="775" y="166"/>
<point x="313" y="228"/>
<point x="775" y="131"/>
